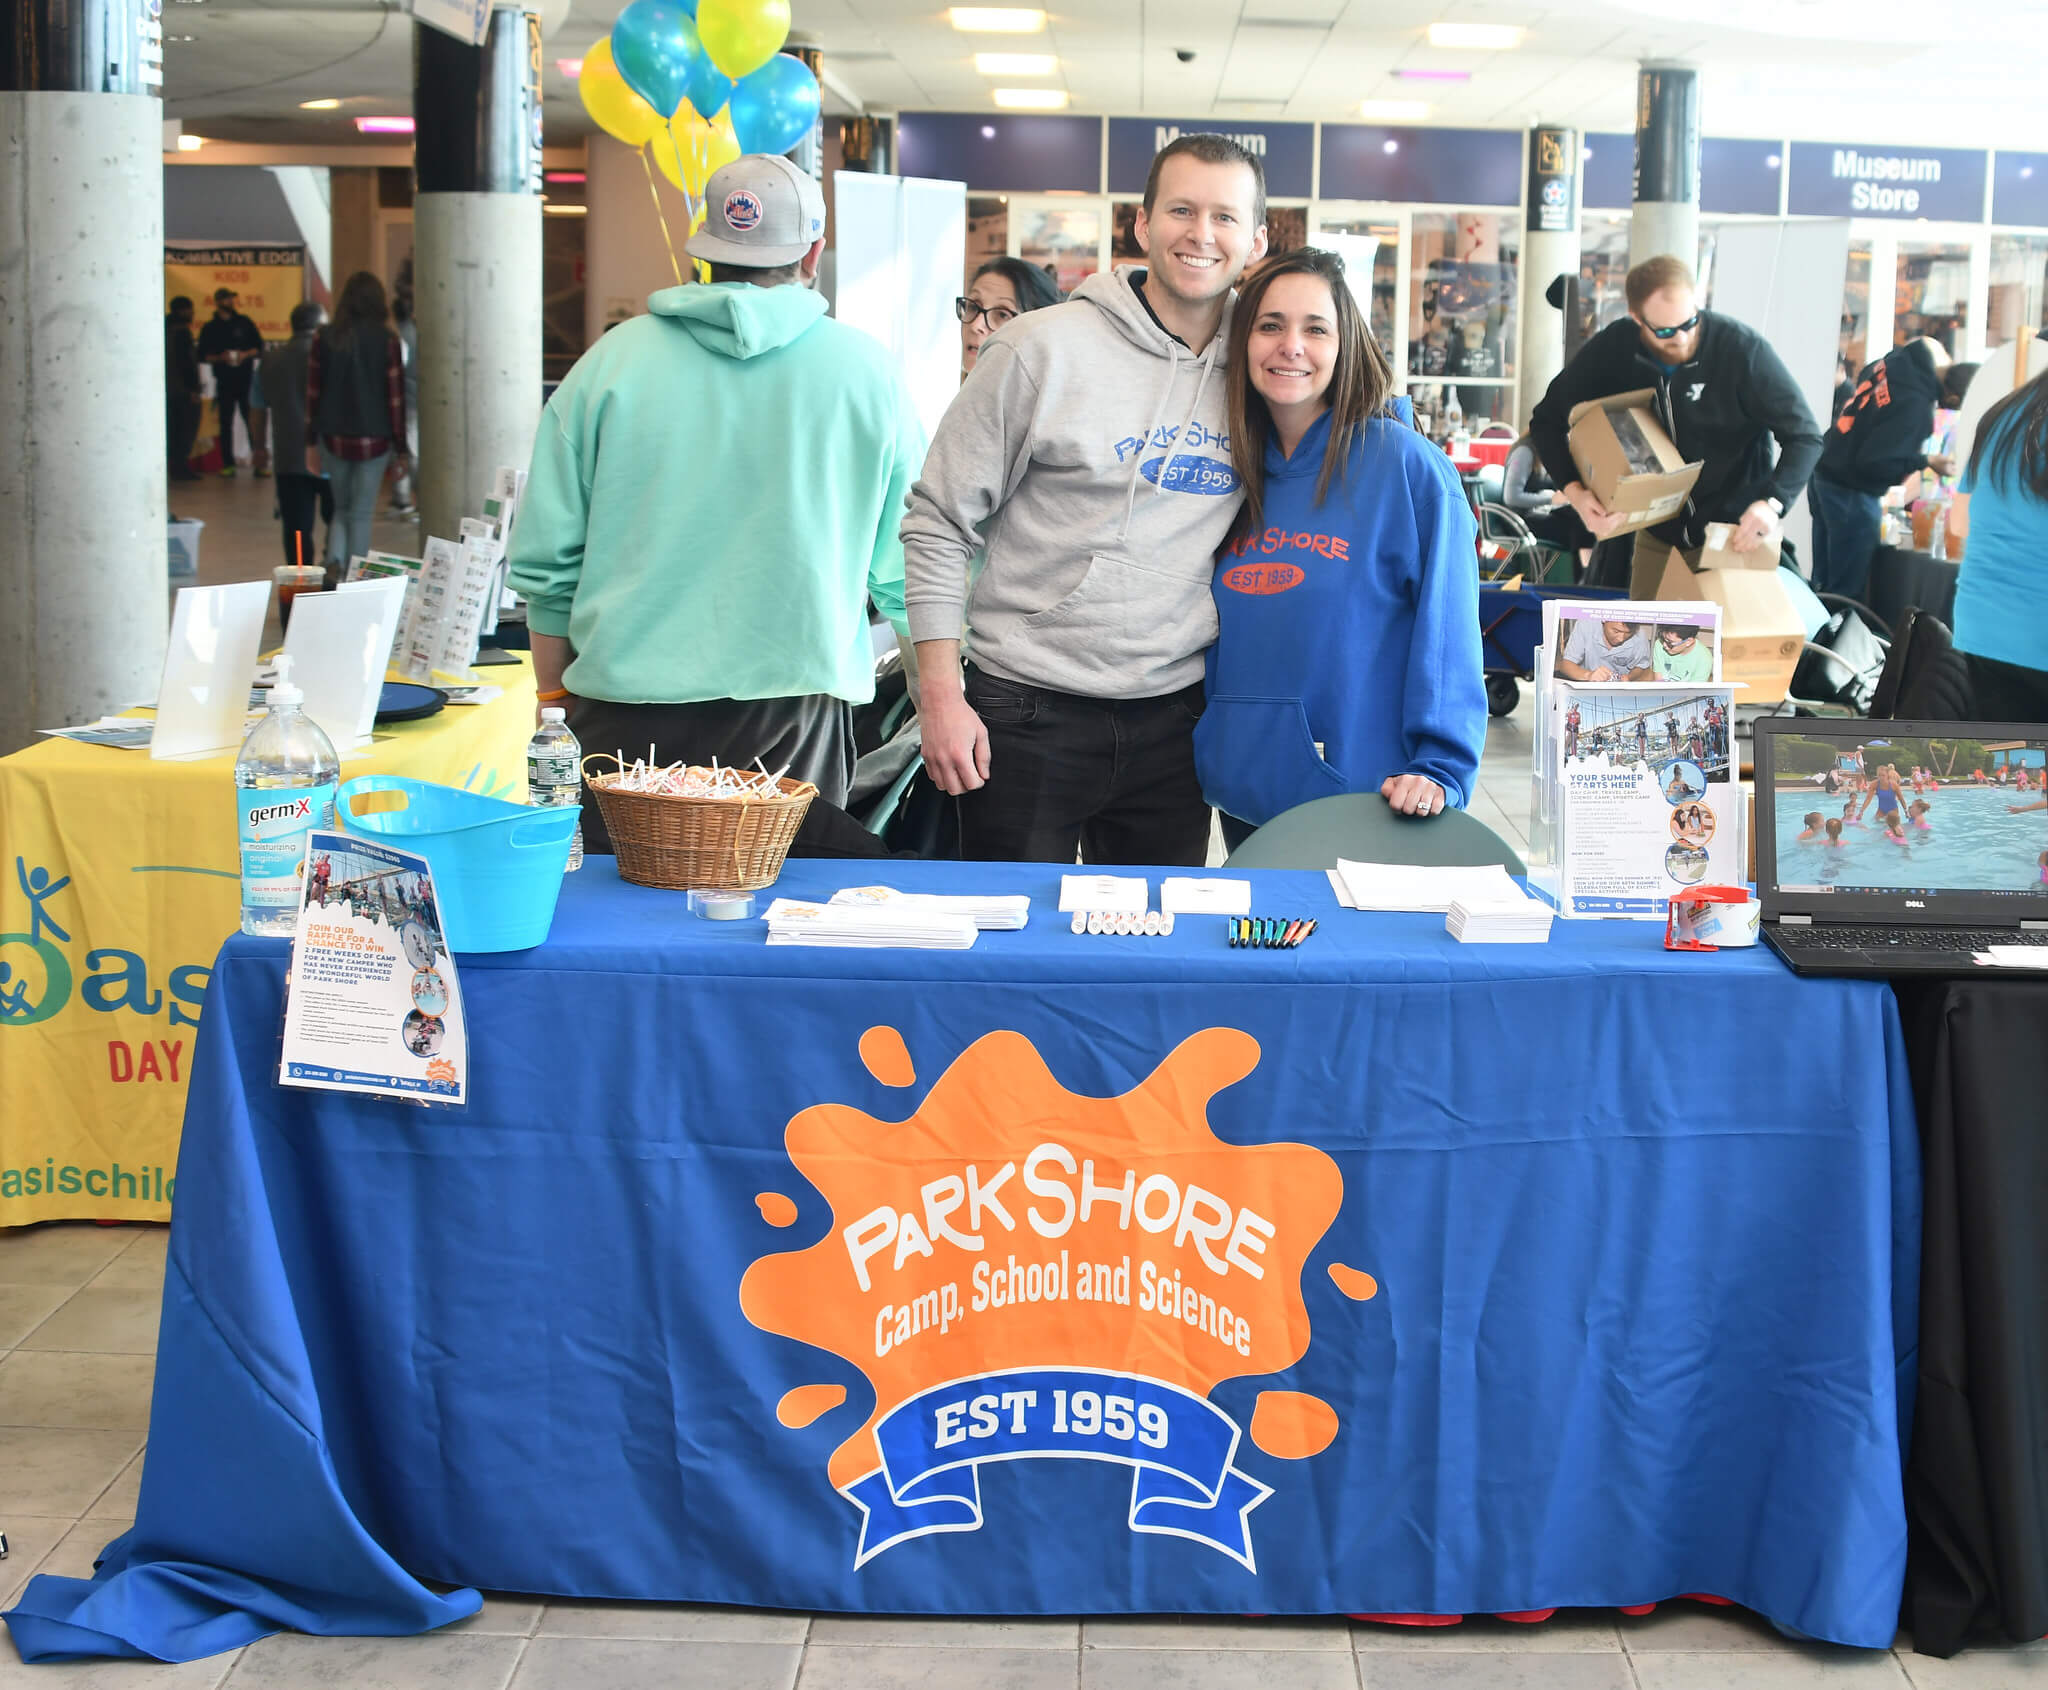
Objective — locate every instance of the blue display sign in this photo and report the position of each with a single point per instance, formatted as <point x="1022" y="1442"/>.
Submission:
<point x="1610" y="171"/>
<point x="1365" y="161"/>
<point x="2019" y="189"/>
<point x="1001" y="153"/>
<point x="1740" y="178"/>
<point x="1285" y="150"/>
<point x="1839" y="180"/>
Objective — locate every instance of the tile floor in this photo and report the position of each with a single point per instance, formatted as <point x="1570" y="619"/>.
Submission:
<point x="77" y="1341"/>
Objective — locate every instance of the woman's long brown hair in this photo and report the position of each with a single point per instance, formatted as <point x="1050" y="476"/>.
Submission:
<point x="1359" y="384"/>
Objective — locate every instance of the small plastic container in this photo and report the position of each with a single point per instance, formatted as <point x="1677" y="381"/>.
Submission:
<point x="712" y="903"/>
<point x="497" y="866"/>
<point x="183" y="546"/>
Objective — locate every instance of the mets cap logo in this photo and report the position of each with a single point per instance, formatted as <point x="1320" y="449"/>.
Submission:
<point x="742" y="210"/>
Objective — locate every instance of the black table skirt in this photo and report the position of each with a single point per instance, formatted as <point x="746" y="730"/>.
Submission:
<point x="1977" y="1474"/>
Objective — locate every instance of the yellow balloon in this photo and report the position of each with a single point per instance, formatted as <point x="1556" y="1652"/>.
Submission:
<point x="615" y="108"/>
<point x="701" y="146"/>
<point x="742" y="35"/>
<point x="668" y="158"/>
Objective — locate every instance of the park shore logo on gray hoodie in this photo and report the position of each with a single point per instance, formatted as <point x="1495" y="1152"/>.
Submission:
<point x="1088" y="457"/>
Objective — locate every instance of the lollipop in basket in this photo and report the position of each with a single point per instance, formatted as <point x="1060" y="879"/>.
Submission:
<point x="681" y="825"/>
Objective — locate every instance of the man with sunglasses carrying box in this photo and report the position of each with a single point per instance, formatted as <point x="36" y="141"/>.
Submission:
<point x="1725" y="398"/>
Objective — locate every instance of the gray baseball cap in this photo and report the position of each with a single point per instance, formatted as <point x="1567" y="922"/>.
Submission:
<point x="759" y="210"/>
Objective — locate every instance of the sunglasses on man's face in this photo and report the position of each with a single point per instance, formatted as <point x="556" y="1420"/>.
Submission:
<point x="968" y="309"/>
<point x="1675" y="330"/>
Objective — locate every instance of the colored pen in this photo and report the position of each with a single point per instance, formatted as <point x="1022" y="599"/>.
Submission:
<point x="1271" y="926"/>
<point x="1292" y="937"/>
<point x="1306" y="931"/>
<point x="1233" y="933"/>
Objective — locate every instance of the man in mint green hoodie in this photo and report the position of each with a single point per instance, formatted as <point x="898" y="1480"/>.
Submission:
<point x="714" y="498"/>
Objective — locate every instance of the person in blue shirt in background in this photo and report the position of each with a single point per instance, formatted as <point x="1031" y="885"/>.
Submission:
<point x="1347" y="657"/>
<point x="2002" y="592"/>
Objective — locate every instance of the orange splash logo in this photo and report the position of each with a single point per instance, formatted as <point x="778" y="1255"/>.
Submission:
<point x="1022" y="1272"/>
<point x="441" y="1069"/>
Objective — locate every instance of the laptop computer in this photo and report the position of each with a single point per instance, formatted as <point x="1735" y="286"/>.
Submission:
<point x="1900" y="847"/>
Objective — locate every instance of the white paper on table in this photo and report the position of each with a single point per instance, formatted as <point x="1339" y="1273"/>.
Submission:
<point x="340" y="646"/>
<point x="1181" y="894"/>
<point x="1000" y="914"/>
<point x="1422" y="889"/>
<point x="202" y="702"/>
<point x="126" y="733"/>
<point x="2012" y="956"/>
<point x="1108" y="893"/>
<point x="867" y="927"/>
<point x="472" y="695"/>
<point x="1342" y="891"/>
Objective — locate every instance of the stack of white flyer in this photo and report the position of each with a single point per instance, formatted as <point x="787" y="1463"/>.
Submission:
<point x="990" y="915"/>
<point x="1518" y="920"/>
<point x="1413" y="887"/>
<point x="867" y="927"/>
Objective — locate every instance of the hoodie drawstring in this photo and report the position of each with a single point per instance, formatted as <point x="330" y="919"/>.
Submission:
<point x="1151" y="428"/>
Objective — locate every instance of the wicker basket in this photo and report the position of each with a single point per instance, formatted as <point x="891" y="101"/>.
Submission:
<point x="735" y="844"/>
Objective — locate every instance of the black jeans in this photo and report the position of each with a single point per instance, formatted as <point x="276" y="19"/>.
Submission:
<point x="299" y="496"/>
<point x="225" y="404"/>
<point x="2005" y="692"/>
<point x="181" y="428"/>
<point x="1111" y="778"/>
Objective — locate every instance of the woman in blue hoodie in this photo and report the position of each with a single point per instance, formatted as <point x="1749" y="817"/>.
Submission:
<point x="1347" y="657"/>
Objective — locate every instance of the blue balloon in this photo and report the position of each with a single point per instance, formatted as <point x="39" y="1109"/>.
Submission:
<point x="655" y="46"/>
<point x="710" y="87"/>
<point x="776" y="107"/>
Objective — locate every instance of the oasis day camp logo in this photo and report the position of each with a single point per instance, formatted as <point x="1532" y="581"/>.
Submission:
<point x="1023" y="1273"/>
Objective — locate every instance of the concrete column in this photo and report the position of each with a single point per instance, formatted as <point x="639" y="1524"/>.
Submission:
<point x="477" y="299"/>
<point x="477" y="277"/>
<point x="83" y="571"/>
<point x="1550" y="248"/>
<point x="1667" y="191"/>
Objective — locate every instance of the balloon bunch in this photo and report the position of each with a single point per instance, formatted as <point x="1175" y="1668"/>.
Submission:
<point x="696" y="83"/>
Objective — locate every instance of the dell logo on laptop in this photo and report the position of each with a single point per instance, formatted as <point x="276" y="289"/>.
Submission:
<point x="1915" y="904"/>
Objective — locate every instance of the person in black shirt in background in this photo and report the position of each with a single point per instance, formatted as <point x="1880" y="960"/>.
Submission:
<point x="181" y="389"/>
<point x="231" y="343"/>
<point x="1723" y="396"/>
<point x="1878" y="440"/>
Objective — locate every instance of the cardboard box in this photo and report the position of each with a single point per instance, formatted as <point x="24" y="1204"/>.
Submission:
<point x="1719" y="551"/>
<point x="1761" y="631"/>
<point x="1623" y="454"/>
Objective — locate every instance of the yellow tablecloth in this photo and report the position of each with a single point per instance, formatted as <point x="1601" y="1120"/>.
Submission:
<point x="120" y="882"/>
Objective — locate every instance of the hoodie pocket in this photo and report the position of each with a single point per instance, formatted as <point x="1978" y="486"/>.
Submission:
<point x="1256" y="757"/>
<point x="1123" y="620"/>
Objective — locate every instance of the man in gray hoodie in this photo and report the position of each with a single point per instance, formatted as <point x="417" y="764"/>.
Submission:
<point x="1088" y="455"/>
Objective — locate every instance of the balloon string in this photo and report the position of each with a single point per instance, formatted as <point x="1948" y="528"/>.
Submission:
<point x="661" y="217"/>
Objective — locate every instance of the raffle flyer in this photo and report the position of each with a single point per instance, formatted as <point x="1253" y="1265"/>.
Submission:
<point x="373" y="1004"/>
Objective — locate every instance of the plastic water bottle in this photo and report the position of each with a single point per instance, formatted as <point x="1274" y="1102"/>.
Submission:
<point x="554" y="773"/>
<point x="285" y="776"/>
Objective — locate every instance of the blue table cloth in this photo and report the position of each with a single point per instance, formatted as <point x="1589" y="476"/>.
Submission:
<point x="1066" y="1274"/>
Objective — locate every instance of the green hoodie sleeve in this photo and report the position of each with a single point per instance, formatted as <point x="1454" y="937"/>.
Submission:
<point x="885" y="567"/>
<point x="547" y="540"/>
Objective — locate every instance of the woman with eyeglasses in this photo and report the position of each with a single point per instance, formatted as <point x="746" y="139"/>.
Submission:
<point x="1003" y="289"/>
<point x="1347" y="655"/>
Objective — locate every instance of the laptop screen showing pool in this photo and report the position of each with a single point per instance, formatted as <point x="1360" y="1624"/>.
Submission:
<point x="1863" y="811"/>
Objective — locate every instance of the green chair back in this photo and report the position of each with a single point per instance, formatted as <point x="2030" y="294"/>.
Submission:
<point x="1359" y="826"/>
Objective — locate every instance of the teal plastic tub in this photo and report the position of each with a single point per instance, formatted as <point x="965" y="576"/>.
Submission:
<point x="497" y="866"/>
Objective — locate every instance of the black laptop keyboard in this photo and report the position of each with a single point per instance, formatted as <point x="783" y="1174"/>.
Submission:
<point x="1902" y="938"/>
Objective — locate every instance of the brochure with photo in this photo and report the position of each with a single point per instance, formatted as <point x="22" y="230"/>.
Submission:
<point x="1639" y="641"/>
<point x="1637" y="798"/>
<point x="373" y="1004"/>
